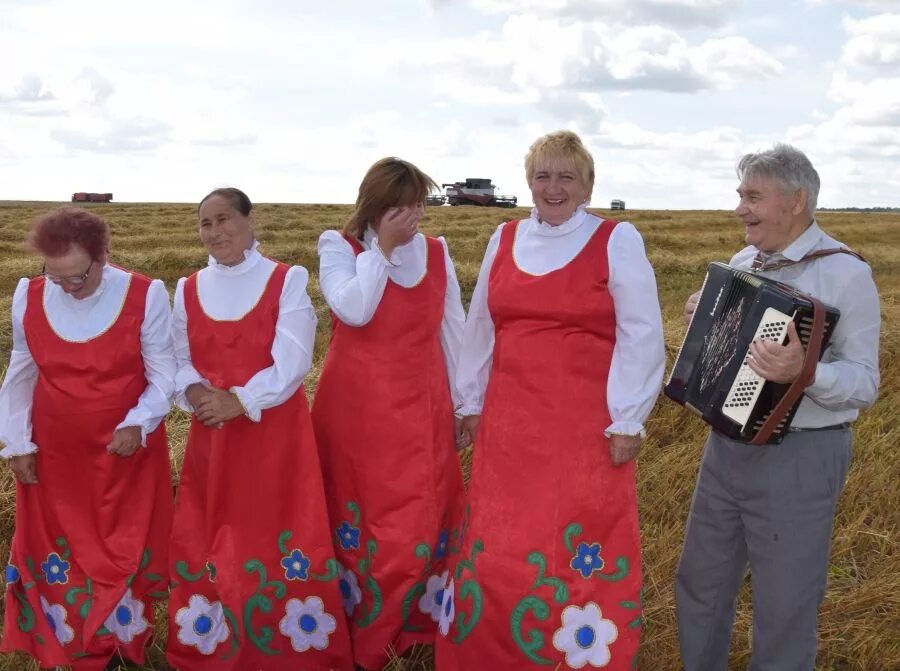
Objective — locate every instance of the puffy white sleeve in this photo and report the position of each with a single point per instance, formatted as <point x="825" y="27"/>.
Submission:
<point x="292" y="349"/>
<point x="477" y="350"/>
<point x="159" y="364"/>
<point x="452" y="325"/>
<point x="351" y="284"/>
<point x="638" y="361"/>
<point x="185" y="374"/>
<point x="17" y="392"/>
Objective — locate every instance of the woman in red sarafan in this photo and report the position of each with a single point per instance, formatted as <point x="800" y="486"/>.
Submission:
<point x="562" y="361"/>
<point x="383" y="412"/>
<point x="255" y="582"/>
<point x="90" y="380"/>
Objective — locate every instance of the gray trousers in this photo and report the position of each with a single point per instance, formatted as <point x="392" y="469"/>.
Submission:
<point x="771" y="506"/>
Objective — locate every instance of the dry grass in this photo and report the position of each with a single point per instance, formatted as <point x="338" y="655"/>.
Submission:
<point x="860" y="619"/>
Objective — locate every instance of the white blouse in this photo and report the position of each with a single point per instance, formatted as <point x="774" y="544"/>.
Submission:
<point x="353" y="286"/>
<point x="80" y="320"/>
<point x="228" y="293"/>
<point x="638" y="359"/>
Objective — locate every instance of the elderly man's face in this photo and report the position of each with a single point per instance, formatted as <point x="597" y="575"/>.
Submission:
<point x="773" y="218"/>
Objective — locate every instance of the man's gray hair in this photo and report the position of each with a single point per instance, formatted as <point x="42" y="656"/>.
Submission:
<point x="787" y="165"/>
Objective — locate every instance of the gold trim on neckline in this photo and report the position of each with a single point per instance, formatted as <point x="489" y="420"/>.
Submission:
<point x="252" y="307"/>
<point x="94" y="337"/>
<point x="552" y="270"/>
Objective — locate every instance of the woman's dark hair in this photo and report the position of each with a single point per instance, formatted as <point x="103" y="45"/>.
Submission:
<point x="52" y="234"/>
<point x="238" y="198"/>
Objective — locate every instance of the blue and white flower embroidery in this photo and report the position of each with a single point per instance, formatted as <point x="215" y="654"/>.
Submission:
<point x="127" y="619"/>
<point x="307" y="624"/>
<point x="448" y="609"/>
<point x="585" y="636"/>
<point x="441" y="548"/>
<point x="350" y="592"/>
<point x="56" y="569"/>
<point x="430" y="602"/>
<point x="202" y="624"/>
<point x="56" y="618"/>
<point x="296" y="566"/>
<point x="12" y="574"/>
<point x="348" y="536"/>
<point x="587" y="559"/>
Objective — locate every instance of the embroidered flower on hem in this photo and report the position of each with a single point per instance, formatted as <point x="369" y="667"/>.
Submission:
<point x="296" y="566"/>
<point x="202" y="624"/>
<point x="307" y="624"/>
<point x="587" y="559"/>
<point x="348" y="536"/>
<point x="127" y="621"/>
<point x="12" y="574"/>
<point x="585" y="636"/>
<point x="350" y="592"/>
<point x="441" y="548"/>
<point x="448" y="609"/>
<point x="56" y="569"/>
<point x="56" y="618"/>
<point x="430" y="602"/>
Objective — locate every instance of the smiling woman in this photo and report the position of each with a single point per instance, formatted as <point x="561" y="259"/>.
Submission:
<point x="250" y="511"/>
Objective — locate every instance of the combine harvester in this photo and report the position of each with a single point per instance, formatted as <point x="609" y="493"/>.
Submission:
<point x="84" y="197"/>
<point x="474" y="191"/>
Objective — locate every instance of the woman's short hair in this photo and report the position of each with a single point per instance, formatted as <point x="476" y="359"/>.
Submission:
<point x="390" y="182"/>
<point x="560" y="148"/>
<point x="239" y="200"/>
<point x="53" y="234"/>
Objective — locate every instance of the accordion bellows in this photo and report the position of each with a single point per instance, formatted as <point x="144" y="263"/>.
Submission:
<point x="711" y="375"/>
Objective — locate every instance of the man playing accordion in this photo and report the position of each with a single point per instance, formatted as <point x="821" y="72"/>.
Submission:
<point x="773" y="505"/>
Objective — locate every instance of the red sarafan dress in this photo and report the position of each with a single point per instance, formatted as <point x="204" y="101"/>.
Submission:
<point x="550" y="568"/>
<point x="89" y="552"/>
<point x="383" y="417"/>
<point x="255" y="583"/>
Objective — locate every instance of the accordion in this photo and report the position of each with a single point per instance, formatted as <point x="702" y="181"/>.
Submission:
<point x="711" y="375"/>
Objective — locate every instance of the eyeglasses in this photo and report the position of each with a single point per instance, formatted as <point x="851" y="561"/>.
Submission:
<point x="75" y="281"/>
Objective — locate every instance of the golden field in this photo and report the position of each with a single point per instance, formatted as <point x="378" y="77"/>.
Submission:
<point x="860" y="618"/>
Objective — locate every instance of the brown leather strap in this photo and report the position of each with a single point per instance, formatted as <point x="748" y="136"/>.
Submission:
<point x="807" y="375"/>
<point x="778" y="265"/>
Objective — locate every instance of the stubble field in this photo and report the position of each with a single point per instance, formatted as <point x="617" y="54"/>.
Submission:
<point x="860" y="618"/>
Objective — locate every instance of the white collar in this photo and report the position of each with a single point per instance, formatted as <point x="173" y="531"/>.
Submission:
<point x="251" y="258"/>
<point x="571" y="224"/>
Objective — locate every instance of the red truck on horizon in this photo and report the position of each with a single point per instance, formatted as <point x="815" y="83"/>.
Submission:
<point x="84" y="197"/>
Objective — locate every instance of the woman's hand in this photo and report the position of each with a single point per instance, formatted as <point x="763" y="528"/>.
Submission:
<point x="466" y="428"/>
<point x="195" y="393"/>
<point x="397" y="226"/>
<point x="623" y="449"/>
<point x="125" y="441"/>
<point x="217" y="406"/>
<point x="24" y="468"/>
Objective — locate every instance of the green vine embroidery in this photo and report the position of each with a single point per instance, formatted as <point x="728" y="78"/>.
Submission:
<point x="540" y="609"/>
<point x="72" y="597"/>
<point x="259" y="601"/>
<point x="348" y="535"/>
<point x="586" y="551"/>
<point x="470" y="589"/>
<point x="422" y="551"/>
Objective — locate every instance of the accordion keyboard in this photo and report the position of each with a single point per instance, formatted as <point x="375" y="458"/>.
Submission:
<point x="747" y="385"/>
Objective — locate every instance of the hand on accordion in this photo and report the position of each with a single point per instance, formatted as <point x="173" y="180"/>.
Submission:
<point x="778" y="363"/>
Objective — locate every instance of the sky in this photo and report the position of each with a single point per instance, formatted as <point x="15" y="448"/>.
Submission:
<point x="292" y="101"/>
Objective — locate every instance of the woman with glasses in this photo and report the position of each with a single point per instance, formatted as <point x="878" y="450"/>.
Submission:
<point x="90" y="379"/>
<point x="255" y="582"/>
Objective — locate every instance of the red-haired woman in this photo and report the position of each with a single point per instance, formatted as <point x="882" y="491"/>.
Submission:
<point x="383" y="411"/>
<point x="90" y="379"/>
<point x="255" y="582"/>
